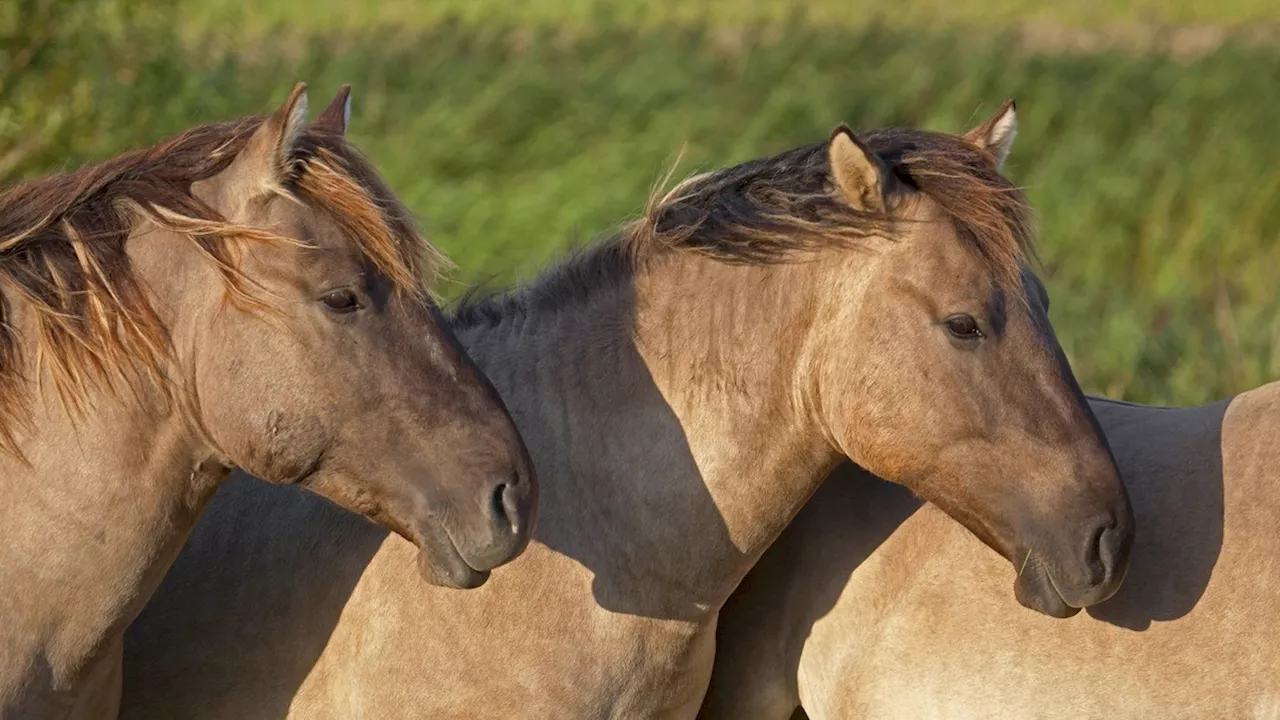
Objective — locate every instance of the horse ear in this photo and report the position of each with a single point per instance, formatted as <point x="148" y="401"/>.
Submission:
<point x="334" y="118"/>
<point x="268" y="159"/>
<point x="997" y="133"/>
<point x="857" y="171"/>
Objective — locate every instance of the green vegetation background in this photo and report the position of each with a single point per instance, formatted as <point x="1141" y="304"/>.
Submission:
<point x="1150" y="140"/>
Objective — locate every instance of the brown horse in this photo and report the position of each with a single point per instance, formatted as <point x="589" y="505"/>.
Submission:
<point x="247" y="294"/>
<point x="683" y="388"/>
<point x="870" y="606"/>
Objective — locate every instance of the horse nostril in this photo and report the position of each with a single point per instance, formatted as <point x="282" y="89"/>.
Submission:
<point x="1109" y="549"/>
<point x="498" y="506"/>
<point x="511" y="502"/>
<point x="1101" y="551"/>
<point x="505" y="505"/>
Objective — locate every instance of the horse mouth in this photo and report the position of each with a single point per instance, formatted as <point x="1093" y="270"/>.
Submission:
<point x="441" y="562"/>
<point x="1035" y="589"/>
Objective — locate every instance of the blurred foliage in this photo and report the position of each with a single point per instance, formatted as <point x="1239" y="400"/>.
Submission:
<point x="1117" y="17"/>
<point x="1154" y="173"/>
<point x="58" y="62"/>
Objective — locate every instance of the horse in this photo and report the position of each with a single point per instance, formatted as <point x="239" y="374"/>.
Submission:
<point x="683" y="386"/>
<point x="247" y="294"/>
<point x="871" y="606"/>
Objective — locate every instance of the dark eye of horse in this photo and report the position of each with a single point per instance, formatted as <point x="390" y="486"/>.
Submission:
<point x="963" y="327"/>
<point x="341" y="301"/>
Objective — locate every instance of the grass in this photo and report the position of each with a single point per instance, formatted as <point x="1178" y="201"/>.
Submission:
<point x="311" y="16"/>
<point x="1155" y="177"/>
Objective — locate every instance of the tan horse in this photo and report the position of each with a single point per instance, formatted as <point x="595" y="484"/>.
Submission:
<point x="683" y="388"/>
<point x="869" y="606"/>
<point x="247" y="294"/>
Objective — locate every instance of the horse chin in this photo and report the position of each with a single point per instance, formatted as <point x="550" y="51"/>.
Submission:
<point x="1034" y="589"/>
<point x="442" y="565"/>
<point x="453" y="573"/>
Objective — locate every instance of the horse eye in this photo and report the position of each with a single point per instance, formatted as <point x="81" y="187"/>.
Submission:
<point x="341" y="301"/>
<point x="963" y="327"/>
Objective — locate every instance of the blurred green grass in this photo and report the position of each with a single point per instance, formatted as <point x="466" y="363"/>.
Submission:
<point x="346" y="15"/>
<point x="1156" y="176"/>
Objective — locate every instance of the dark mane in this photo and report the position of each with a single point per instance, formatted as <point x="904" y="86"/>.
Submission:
<point x="780" y="208"/>
<point x="62" y="250"/>
<point x="583" y="274"/>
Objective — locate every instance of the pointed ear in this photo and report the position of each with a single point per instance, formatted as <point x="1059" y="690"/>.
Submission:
<point x="267" y="160"/>
<point x="856" y="171"/>
<point x="997" y="133"/>
<point x="334" y="119"/>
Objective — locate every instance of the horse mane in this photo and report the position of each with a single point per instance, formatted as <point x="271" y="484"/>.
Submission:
<point x="63" y="251"/>
<point x="780" y="208"/>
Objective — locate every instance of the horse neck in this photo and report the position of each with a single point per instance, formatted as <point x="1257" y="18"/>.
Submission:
<point x="96" y="508"/>
<point x="661" y="415"/>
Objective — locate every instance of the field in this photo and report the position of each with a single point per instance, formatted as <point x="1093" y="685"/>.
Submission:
<point x="1148" y="144"/>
